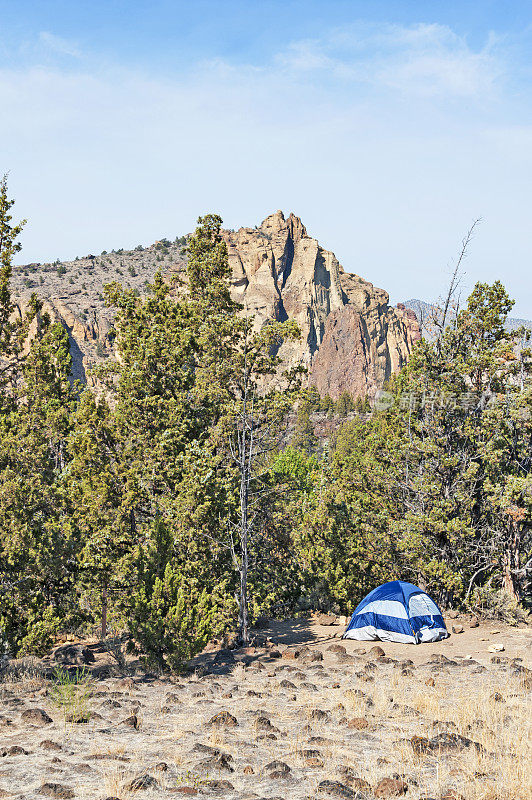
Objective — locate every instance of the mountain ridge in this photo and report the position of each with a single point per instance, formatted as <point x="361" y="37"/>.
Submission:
<point x="422" y="309"/>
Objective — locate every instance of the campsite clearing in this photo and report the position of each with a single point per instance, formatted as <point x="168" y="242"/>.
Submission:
<point x="334" y="720"/>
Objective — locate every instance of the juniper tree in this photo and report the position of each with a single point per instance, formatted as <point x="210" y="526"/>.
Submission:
<point x="36" y="398"/>
<point x="39" y="542"/>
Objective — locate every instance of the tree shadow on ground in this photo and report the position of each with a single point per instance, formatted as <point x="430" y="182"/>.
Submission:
<point x="286" y="634"/>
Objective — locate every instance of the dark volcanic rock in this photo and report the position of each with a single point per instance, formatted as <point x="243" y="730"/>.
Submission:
<point x="36" y="716"/>
<point x="338" y="791"/>
<point x="223" y="720"/>
<point x="142" y="782"/>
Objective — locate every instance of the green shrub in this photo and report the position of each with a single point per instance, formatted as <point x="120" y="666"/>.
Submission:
<point x="496" y="604"/>
<point x="41" y="635"/>
<point x="173" y="620"/>
<point x="71" y="692"/>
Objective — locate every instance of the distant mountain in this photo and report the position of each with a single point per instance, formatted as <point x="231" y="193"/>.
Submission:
<point x="424" y="311"/>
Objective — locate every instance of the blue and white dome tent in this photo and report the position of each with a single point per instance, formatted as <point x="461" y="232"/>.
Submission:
<point x="397" y="612"/>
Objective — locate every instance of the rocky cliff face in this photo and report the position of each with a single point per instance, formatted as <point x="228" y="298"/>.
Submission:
<point x="351" y="337"/>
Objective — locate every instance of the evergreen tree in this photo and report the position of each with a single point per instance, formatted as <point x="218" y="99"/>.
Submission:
<point x="304" y="436"/>
<point x="327" y="404"/>
<point x="38" y="544"/>
<point x="101" y="504"/>
<point x="37" y="547"/>
<point x="344" y="405"/>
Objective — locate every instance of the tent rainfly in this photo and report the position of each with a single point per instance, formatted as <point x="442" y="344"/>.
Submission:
<point x="397" y="612"/>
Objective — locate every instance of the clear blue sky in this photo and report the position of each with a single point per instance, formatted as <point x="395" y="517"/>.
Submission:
<point x="387" y="126"/>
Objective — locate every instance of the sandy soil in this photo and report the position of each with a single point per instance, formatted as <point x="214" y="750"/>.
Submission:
<point x="307" y="716"/>
<point x="474" y="642"/>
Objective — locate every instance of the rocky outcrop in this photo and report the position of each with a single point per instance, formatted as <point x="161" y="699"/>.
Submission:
<point x="352" y="339"/>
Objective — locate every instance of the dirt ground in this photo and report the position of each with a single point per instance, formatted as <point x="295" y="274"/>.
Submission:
<point x="475" y="642"/>
<point x="304" y="716"/>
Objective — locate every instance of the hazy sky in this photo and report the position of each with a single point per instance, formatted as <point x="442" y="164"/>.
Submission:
<point x="387" y="126"/>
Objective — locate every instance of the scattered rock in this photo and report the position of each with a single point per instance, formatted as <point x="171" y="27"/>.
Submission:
<point x="248" y="770"/>
<point x="47" y="744"/>
<point x="14" y="750"/>
<point x="337" y="791"/>
<point x="457" y="628"/>
<point x="263" y="723"/>
<point x="336" y="648"/>
<point x="326" y="619"/>
<point x="376" y="651"/>
<point x="496" y="648"/>
<point x="358" y="723"/>
<point x="277" y="769"/>
<point x="223" y="720"/>
<point x="316" y="655"/>
<point x="219" y="785"/>
<point x="386" y="660"/>
<point x="142" y="782"/>
<point x="36" y="717"/>
<point x="420" y="745"/>
<point x="317" y="713"/>
<point x="56" y="790"/>
<point x="216" y="763"/>
<point x="390" y="787"/>
<point x="131" y="722"/>
<point x="290" y="654"/>
<point x="314" y="761"/>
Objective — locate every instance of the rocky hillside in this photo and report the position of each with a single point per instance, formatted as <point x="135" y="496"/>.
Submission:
<point x="72" y="292"/>
<point x="351" y="337"/>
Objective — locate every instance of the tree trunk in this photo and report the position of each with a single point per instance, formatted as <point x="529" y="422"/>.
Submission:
<point x="243" y="609"/>
<point x="245" y="455"/>
<point x="104" y="611"/>
<point x="511" y="563"/>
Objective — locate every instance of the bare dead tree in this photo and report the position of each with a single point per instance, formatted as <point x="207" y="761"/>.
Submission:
<point x="440" y="313"/>
<point x="258" y="428"/>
